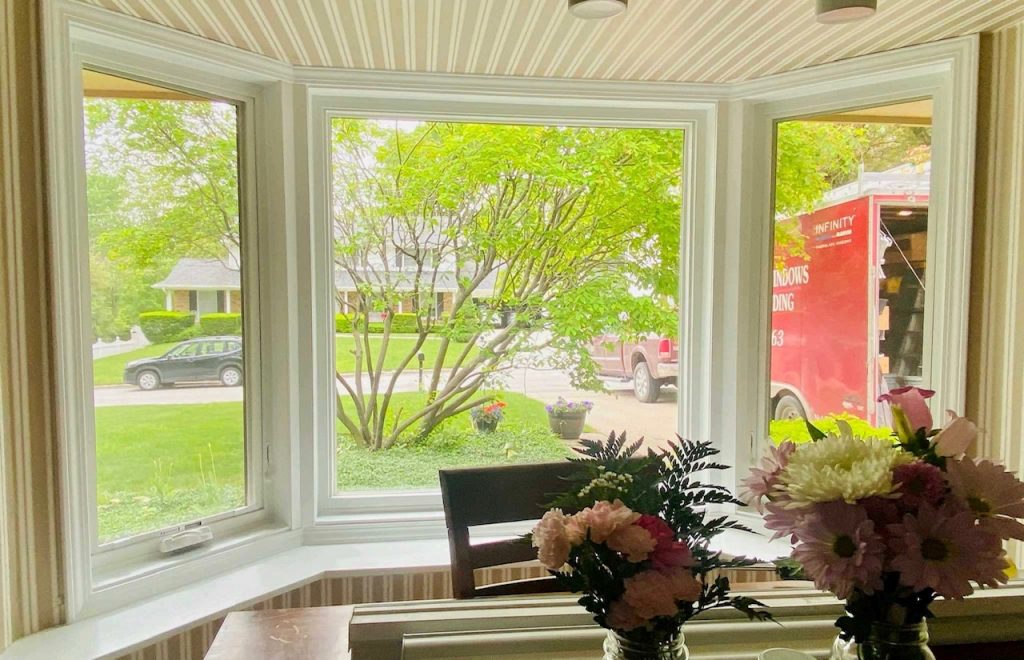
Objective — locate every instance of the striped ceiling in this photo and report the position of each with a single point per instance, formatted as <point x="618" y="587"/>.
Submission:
<point x="657" y="40"/>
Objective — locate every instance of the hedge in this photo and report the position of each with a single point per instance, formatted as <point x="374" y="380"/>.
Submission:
<point x="161" y="327"/>
<point x="221" y="323"/>
<point x="403" y="323"/>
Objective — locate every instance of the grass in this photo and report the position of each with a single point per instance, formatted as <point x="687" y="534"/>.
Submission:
<point x="160" y="465"/>
<point x="522" y="437"/>
<point x="110" y="370"/>
<point x="157" y="466"/>
<point x="796" y="429"/>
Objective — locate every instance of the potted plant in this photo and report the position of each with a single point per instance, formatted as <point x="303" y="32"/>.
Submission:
<point x="638" y="545"/>
<point x="486" y="416"/>
<point x="567" y="418"/>
<point x="890" y="525"/>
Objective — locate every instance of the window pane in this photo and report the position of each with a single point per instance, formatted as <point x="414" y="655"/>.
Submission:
<point x="484" y="271"/>
<point x="848" y="299"/>
<point x="164" y="239"/>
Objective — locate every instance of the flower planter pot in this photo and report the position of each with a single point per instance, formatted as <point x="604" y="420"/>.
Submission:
<point x="568" y="425"/>
<point x="485" y="425"/>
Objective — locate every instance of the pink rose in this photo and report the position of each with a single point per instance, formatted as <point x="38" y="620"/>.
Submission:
<point x="551" y="540"/>
<point x="605" y="517"/>
<point x="655" y="593"/>
<point x="956" y="436"/>
<point x="668" y="552"/>
<point x="633" y="541"/>
<point x="911" y="402"/>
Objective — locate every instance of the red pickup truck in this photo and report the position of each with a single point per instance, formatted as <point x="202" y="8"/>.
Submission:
<point x="651" y="363"/>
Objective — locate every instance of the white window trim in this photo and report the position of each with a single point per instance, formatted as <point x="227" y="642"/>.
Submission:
<point x="380" y="515"/>
<point x="735" y="405"/>
<point x="103" y="577"/>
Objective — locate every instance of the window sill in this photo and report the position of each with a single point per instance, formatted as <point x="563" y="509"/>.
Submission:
<point x="116" y="633"/>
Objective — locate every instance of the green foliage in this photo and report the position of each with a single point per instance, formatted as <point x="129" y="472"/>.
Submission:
<point x="342" y="323"/>
<point x="521" y="438"/>
<point x="403" y="323"/>
<point x="220" y="323"/>
<point x="164" y="326"/>
<point x="796" y="430"/>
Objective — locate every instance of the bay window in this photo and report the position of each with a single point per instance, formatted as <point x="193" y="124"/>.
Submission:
<point x="266" y="229"/>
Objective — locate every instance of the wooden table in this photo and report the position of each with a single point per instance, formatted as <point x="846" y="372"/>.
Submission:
<point x="308" y="633"/>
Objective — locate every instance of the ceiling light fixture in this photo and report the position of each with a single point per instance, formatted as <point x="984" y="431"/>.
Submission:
<point x="905" y="213"/>
<point x="596" y="8"/>
<point x="845" y="11"/>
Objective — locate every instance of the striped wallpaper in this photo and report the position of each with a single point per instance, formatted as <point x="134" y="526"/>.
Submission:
<point x="30" y="569"/>
<point x="680" y="40"/>
<point x="996" y="357"/>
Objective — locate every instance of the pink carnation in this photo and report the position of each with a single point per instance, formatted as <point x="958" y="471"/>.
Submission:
<point x="604" y="518"/>
<point x="944" y="549"/>
<point x="551" y="540"/>
<point x="655" y="593"/>
<point x="622" y="616"/>
<point x="668" y="552"/>
<point x="633" y="541"/>
<point x="840" y="550"/>
<point x="919" y="483"/>
<point x="762" y="479"/>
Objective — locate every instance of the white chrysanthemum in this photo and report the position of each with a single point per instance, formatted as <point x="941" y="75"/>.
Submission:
<point x="840" y="467"/>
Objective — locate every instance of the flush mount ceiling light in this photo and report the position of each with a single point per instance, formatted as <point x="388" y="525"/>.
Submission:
<point x="844" y="11"/>
<point x="596" y="8"/>
<point x="905" y="213"/>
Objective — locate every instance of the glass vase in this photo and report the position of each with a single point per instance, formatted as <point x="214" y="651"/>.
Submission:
<point x="617" y="647"/>
<point x="887" y="642"/>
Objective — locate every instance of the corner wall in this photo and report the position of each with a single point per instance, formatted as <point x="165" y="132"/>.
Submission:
<point x="995" y="387"/>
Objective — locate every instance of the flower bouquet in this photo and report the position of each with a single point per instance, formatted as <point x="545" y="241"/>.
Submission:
<point x="890" y="525"/>
<point x="567" y="418"/>
<point x="485" y="417"/>
<point x="638" y="546"/>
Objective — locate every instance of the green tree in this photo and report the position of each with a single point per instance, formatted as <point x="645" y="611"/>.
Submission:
<point x="565" y="227"/>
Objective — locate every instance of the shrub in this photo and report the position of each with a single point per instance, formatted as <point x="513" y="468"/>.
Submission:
<point x="404" y="323"/>
<point x="221" y="323"/>
<point x="342" y="323"/>
<point x="162" y="326"/>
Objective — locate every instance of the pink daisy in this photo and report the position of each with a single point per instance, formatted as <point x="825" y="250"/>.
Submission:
<point x="784" y="520"/>
<point x="919" y="483"/>
<point x="944" y="549"/>
<point x="840" y="550"/>
<point x="994" y="495"/>
<point x="762" y="479"/>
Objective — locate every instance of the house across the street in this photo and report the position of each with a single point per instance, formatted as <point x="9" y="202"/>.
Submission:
<point x="204" y="286"/>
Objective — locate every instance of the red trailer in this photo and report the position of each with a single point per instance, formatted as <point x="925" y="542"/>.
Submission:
<point x="847" y="317"/>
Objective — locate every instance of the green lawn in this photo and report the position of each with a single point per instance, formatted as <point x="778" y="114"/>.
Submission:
<point x="110" y="370"/>
<point x="522" y="437"/>
<point x="164" y="464"/>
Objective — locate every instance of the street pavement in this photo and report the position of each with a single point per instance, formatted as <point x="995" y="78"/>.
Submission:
<point x="614" y="410"/>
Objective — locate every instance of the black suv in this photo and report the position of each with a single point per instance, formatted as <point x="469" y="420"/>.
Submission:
<point x="209" y="358"/>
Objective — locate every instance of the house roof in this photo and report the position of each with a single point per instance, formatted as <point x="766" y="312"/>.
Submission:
<point x="191" y="273"/>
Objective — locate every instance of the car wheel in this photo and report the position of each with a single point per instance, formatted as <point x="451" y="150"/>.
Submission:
<point x="231" y="376"/>
<point x="148" y="380"/>
<point x="644" y="386"/>
<point x="789" y="407"/>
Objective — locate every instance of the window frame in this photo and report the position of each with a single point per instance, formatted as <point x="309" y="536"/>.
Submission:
<point x="947" y="73"/>
<point x="103" y="576"/>
<point x="385" y="515"/>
